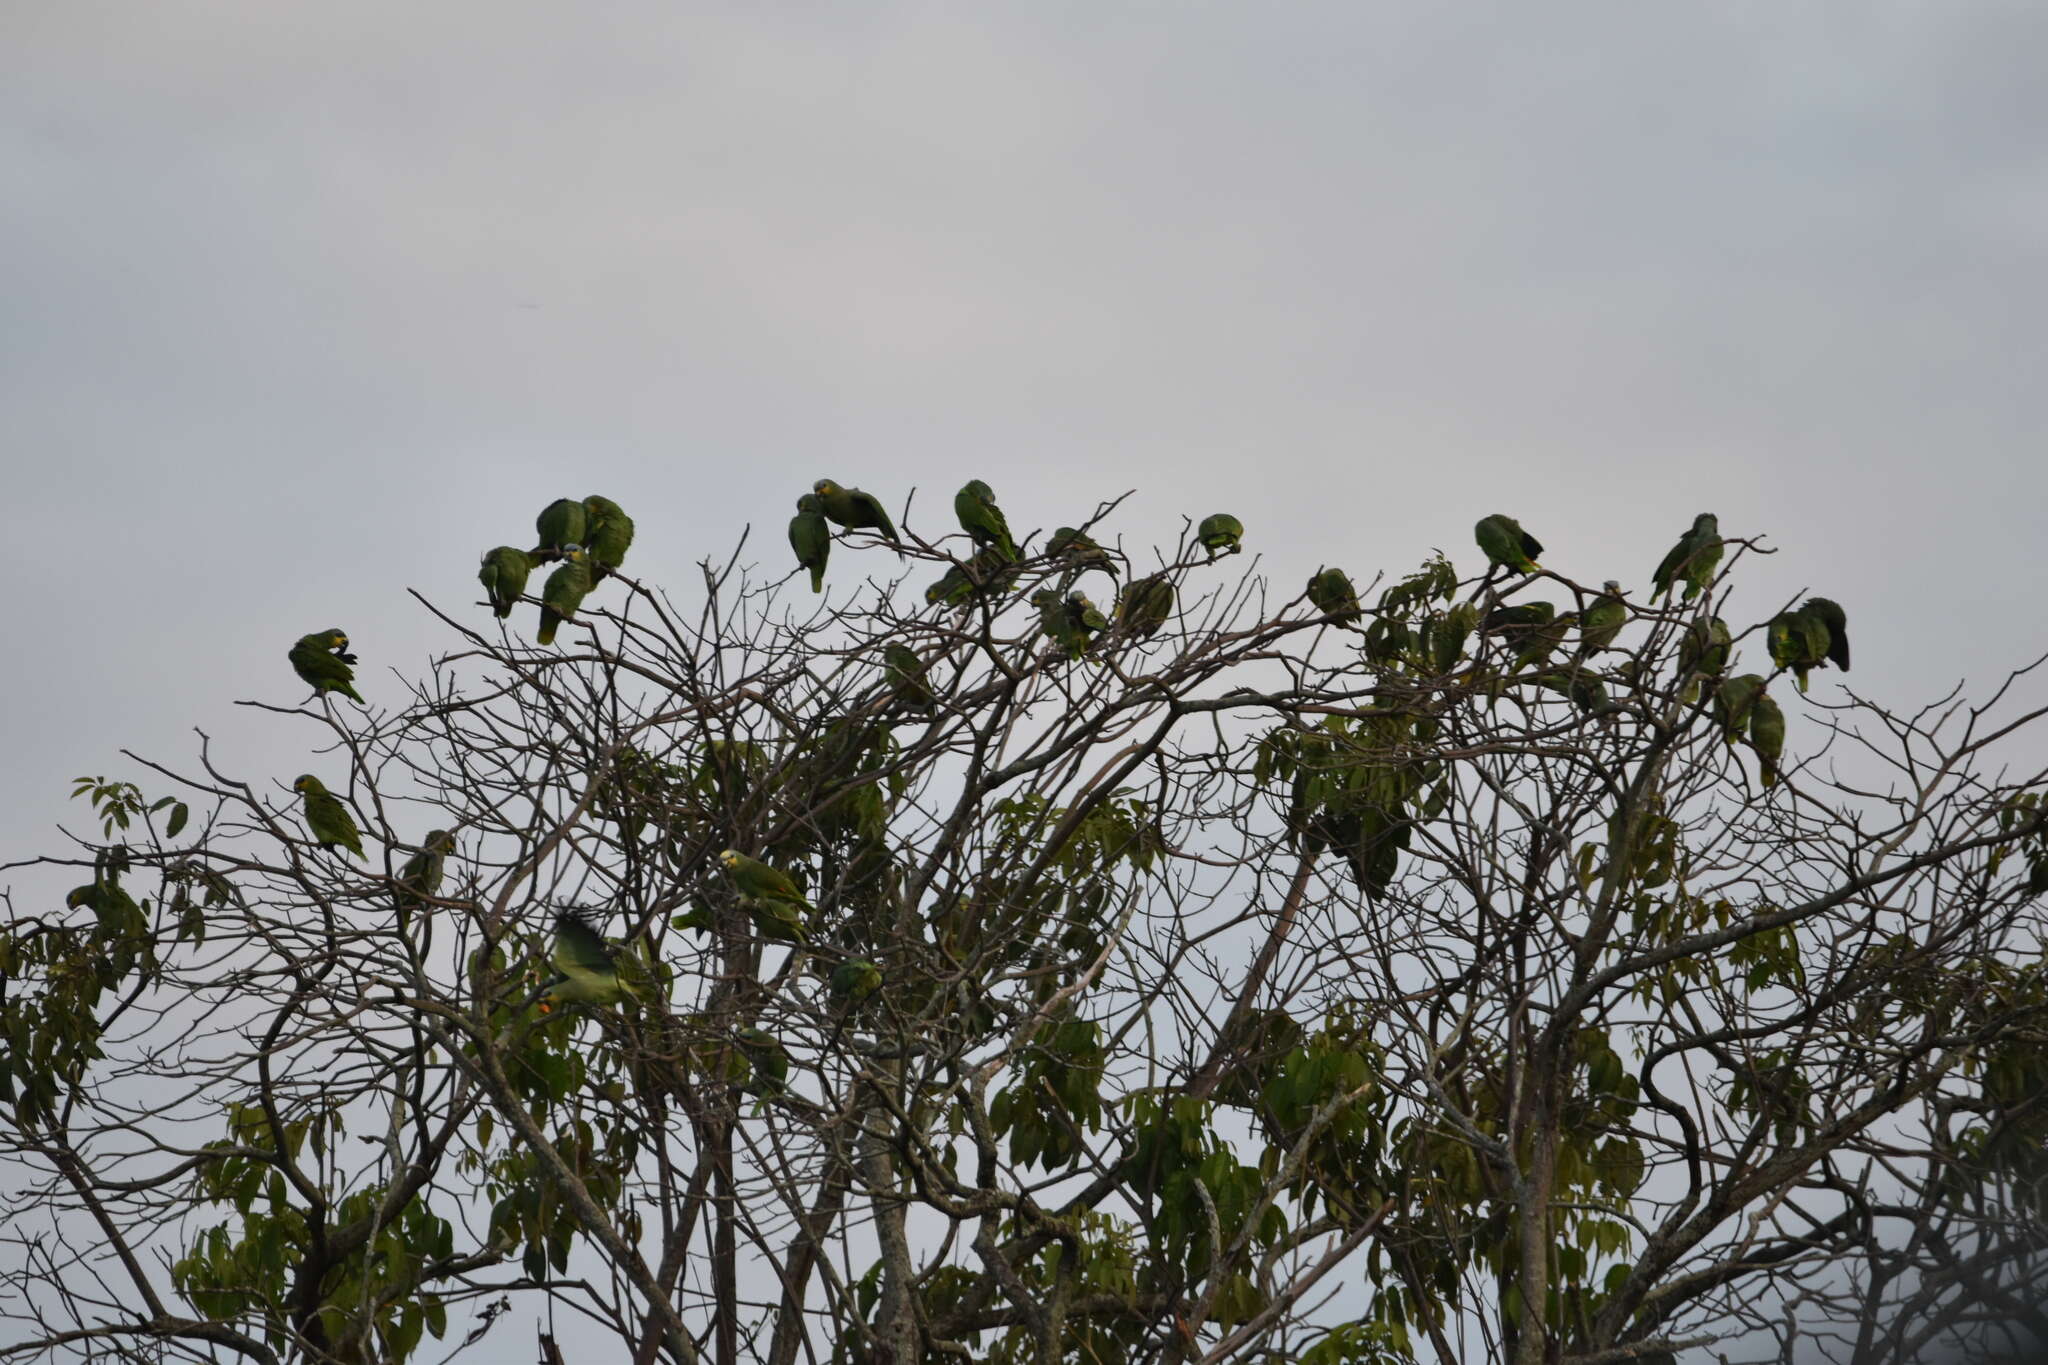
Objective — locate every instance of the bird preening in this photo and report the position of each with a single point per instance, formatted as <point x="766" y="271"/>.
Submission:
<point x="323" y="662"/>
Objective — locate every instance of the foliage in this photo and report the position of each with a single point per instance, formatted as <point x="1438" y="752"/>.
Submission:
<point x="1435" y="985"/>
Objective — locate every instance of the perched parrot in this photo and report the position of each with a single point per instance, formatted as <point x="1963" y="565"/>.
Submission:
<point x="1515" y="623"/>
<point x="566" y="589"/>
<point x="855" y="510"/>
<point x="327" y="817"/>
<point x="1504" y="542"/>
<point x="1586" y="690"/>
<point x="1692" y="560"/>
<point x="765" y="1054"/>
<point x="323" y="660"/>
<point x="1767" y="736"/>
<point x="504" y="576"/>
<point x="1334" y="597"/>
<point x="607" y="535"/>
<point x="1705" y="648"/>
<point x="1070" y="622"/>
<point x="1734" y="701"/>
<point x="906" y="676"/>
<point x="1221" y="534"/>
<point x="811" y="538"/>
<point x="1145" y="605"/>
<point x="562" y="523"/>
<point x="981" y="519"/>
<point x="1076" y="552"/>
<point x="954" y="589"/>
<point x="855" y="979"/>
<point x="981" y="576"/>
<point x="769" y="895"/>
<point x="115" y="909"/>
<point x="1801" y="641"/>
<point x="1533" y="630"/>
<point x="1831" y="615"/>
<point x="420" y="878"/>
<point x="589" y="967"/>
<point x="1602" y="620"/>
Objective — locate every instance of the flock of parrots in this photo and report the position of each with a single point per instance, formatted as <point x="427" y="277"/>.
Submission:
<point x="589" y="540"/>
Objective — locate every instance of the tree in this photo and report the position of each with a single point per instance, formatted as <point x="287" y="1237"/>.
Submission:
<point x="1262" y="987"/>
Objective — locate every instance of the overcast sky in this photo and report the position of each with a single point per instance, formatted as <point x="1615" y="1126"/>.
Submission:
<point x="302" y="305"/>
<point x="305" y="304"/>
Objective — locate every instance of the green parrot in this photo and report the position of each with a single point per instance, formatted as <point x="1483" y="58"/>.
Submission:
<point x="562" y="523"/>
<point x="770" y="895"/>
<point x="765" y="1054"/>
<point x="1801" y="641"/>
<point x="589" y="965"/>
<point x="608" y="534"/>
<point x="323" y="660"/>
<point x="1145" y="605"/>
<point x="954" y="589"/>
<point x="1515" y="623"/>
<point x="1831" y="615"/>
<point x="1504" y="543"/>
<point x="1734" y="701"/>
<point x="1705" y="648"/>
<point x="1533" y="630"/>
<point x="855" y="980"/>
<point x="906" y="676"/>
<point x="982" y="575"/>
<point x="811" y="538"/>
<point x="1767" y="736"/>
<point x="1586" y="690"/>
<point x="980" y="518"/>
<point x="1221" y="534"/>
<point x="566" y="589"/>
<point x="504" y="576"/>
<point x="327" y="817"/>
<point x="1070" y="622"/>
<point x="420" y="878"/>
<point x="1602" y="620"/>
<point x="1076" y="552"/>
<point x="1334" y="597"/>
<point x="855" y="510"/>
<point x="1692" y="560"/>
<point x="115" y="909"/>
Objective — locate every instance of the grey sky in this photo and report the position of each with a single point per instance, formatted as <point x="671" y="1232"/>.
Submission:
<point x="303" y="305"/>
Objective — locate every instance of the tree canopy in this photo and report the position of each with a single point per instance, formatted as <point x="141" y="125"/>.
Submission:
<point x="1452" y="965"/>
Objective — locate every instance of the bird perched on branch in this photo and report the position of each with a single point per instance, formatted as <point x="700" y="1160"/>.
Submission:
<point x="322" y="661"/>
<point x="327" y="818"/>
<point x="589" y="966"/>
<point x="855" y="510"/>
<point x="982" y="520"/>
<point x="1506" y="545"/>
<point x="1691" y="561"/>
